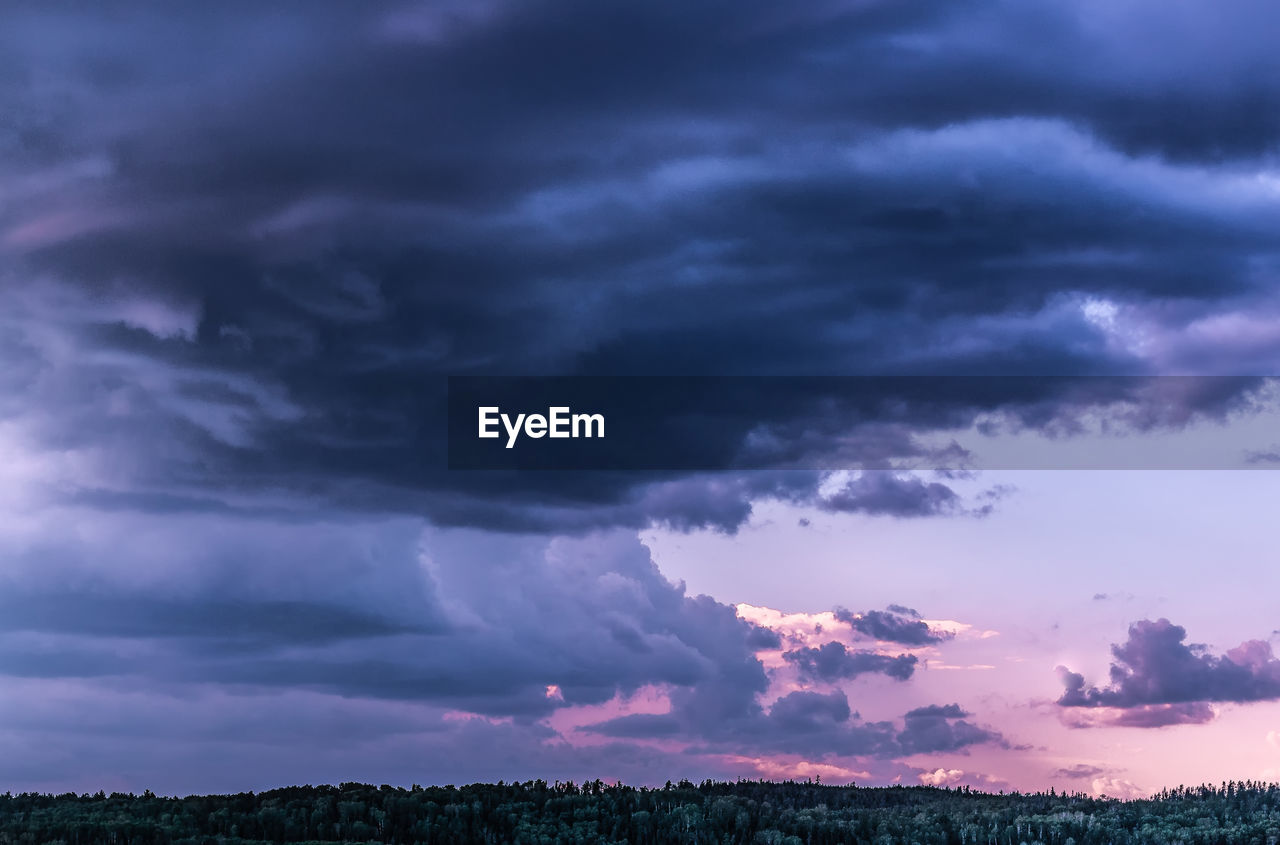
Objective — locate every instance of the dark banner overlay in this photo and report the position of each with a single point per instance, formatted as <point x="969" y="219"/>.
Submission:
<point x="704" y="423"/>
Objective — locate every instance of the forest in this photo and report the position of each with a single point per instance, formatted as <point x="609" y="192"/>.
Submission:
<point x="776" y="813"/>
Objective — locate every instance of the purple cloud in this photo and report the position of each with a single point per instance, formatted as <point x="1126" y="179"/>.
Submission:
<point x="938" y="728"/>
<point x="832" y="661"/>
<point x="813" y="724"/>
<point x="897" y="624"/>
<point x="1158" y="679"/>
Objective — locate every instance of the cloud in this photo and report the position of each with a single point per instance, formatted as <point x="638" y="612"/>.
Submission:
<point x="1117" y="788"/>
<point x="1162" y="715"/>
<point x="279" y="305"/>
<point x="1157" y="679"/>
<point x="804" y="711"/>
<point x="896" y="625"/>
<point x="130" y="738"/>
<point x="882" y="493"/>
<point x="270" y="623"/>
<point x="380" y="610"/>
<point x="833" y="661"/>
<point x="809" y="723"/>
<point x="940" y="728"/>
<point x="464" y="634"/>
<point x="941" y="777"/>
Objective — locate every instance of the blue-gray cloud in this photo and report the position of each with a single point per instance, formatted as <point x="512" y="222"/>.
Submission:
<point x="268" y="250"/>
<point x="896" y="624"/>
<point x="833" y="661"/>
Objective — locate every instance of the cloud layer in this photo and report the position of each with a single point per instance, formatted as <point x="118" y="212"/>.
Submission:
<point x="266" y="252"/>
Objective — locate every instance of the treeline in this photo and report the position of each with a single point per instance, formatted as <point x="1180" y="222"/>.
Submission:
<point x="791" y="812"/>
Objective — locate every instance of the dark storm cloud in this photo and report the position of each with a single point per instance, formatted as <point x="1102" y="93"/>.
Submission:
<point x="897" y="624"/>
<point x="1158" y="679"/>
<point x="271" y="234"/>
<point x="272" y="621"/>
<point x="832" y="661"/>
<point x="485" y="624"/>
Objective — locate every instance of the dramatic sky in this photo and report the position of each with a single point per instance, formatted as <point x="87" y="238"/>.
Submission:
<point x="242" y="247"/>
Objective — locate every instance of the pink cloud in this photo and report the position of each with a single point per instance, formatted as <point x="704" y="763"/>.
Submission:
<point x="1144" y="716"/>
<point x="797" y="629"/>
<point x="1117" y="788"/>
<point x="778" y="768"/>
<point x="941" y="777"/>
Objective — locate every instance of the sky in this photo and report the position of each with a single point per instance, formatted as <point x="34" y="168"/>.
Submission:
<point x="242" y="248"/>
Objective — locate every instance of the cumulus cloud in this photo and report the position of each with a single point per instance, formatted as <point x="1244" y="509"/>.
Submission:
<point x="941" y="777"/>
<point x="1157" y="679"/>
<point x="938" y="728"/>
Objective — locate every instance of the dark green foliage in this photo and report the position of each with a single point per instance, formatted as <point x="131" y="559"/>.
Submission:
<point x="794" y="813"/>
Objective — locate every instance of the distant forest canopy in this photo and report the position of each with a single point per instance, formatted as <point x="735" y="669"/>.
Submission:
<point x="790" y="812"/>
